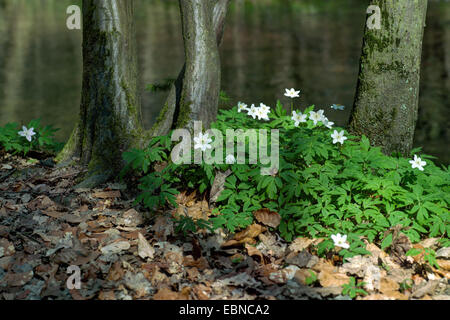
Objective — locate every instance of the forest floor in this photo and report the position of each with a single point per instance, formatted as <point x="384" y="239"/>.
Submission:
<point x="125" y="253"/>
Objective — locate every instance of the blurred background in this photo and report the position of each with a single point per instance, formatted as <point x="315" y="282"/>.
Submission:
<point x="269" y="45"/>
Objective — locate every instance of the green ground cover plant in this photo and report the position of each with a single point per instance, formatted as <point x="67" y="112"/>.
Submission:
<point x="21" y="140"/>
<point x="328" y="182"/>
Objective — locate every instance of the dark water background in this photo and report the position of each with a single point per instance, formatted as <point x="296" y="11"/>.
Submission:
<point x="269" y="45"/>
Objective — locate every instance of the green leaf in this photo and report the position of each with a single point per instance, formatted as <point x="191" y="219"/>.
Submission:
<point x="413" y="252"/>
<point x="386" y="241"/>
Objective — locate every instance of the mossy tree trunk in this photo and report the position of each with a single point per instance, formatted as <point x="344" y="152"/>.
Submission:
<point x="386" y="101"/>
<point x="195" y="93"/>
<point x="109" y="121"/>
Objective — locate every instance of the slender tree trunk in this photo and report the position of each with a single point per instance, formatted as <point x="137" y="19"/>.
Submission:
<point x="109" y="120"/>
<point x="386" y="102"/>
<point x="194" y="95"/>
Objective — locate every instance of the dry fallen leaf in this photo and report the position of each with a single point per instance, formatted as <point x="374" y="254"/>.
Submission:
<point x="252" y="251"/>
<point x="200" y="264"/>
<point x="331" y="279"/>
<point x="300" y="244"/>
<point x="144" y="248"/>
<point x="6" y="248"/>
<point x="267" y="217"/>
<point x="167" y="294"/>
<point x="376" y="252"/>
<point x="163" y="227"/>
<point x="17" y="279"/>
<point x="174" y="261"/>
<point x="376" y="296"/>
<point x="130" y="218"/>
<point x="323" y="265"/>
<point x="192" y="274"/>
<point x="218" y="185"/>
<point x="444" y="264"/>
<point x="302" y="274"/>
<point x="202" y="292"/>
<point x="246" y="236"/>
<point x="250" y="232"/>
<point x="387" y="285"/>
<point x="428" y="243"/>
<point x="115" y="272"/>
<point x="41" y="202"/>
<point x="115" y="247"/>
<point x="107" y="295"/>
<point x="107" y="194"/>
<point x="184" y="199"/>
<point x="283" y="275"/>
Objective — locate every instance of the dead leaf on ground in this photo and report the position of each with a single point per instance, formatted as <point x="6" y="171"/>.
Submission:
<point x="429" y="243"/>
<point x="174" y="261"/>
<point x="192" y="274"/>
<point x="17" y="279"/>
<point x="183" y="198"/>
<point x="76" y="295"/>
<point x="267" y="217"/>
<point x="6" y="248"/>
<point x="53" y="214"/>
<point x="107" y="295"/>
<point x="201" y="292"/>
<point x="115" y="247"/>
<point x="107" y="194"/>
<point x="388" y="286"/>
<point x="144" y="248"/>
<point x="283" y="275"/>
<point x="246" y="236"/>
<point x="130" y="218"/>
<point x="252" y="251"/>
<point x="41" y="202"/>
<point x="163" y="227"/>
<point x="300" y="244"/>
<point x="116" y="272"/>
<point x="200" y="264"/>
<point x="376" y="252"/>
<point x="331" y="279"/>
<point x="323" y="265"/>
<point x="303" y="274"/>
<point x="444" y="264"/>
<point x="167" y="294"/>
<point x="218" y="185"/>
<point x="271" y="246"/>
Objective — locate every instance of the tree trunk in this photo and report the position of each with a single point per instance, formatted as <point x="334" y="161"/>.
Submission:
<point x="386" y="102"/>
<point x="194" y="95"/>
<point x="109" y="120"/>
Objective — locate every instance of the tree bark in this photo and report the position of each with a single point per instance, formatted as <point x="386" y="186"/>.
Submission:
<point x="109" y="121"/>
<point x="194" y="95"/>
<point x="386" y="101"/>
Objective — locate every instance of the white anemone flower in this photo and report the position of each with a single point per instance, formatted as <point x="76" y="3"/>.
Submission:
<point x="27" y="133"/>
<point x="298" y="117"/>
<point x="340" y="240"/>
<point x="338" y="137"/>
<point x="291" y="93"/>
<point x="202" y="142"/>
<point x="252" y="111"/>
<point x="261" y="114"/>
<point x="327" y="123"/>
<point x="264" y="108"/>
<point x="230" y="159"/>
<point x="242" y="107"/>
<point x="321" y="111"/>
<point x="417" y="163"/>
<point x="315" y="116"/>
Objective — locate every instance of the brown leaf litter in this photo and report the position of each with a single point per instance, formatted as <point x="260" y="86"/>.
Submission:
<point x="125" y="252"/>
